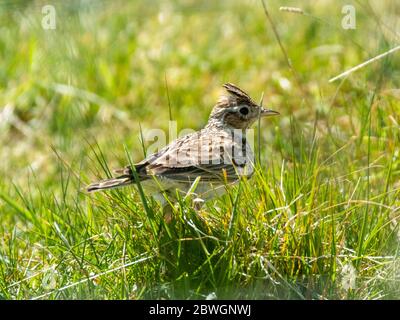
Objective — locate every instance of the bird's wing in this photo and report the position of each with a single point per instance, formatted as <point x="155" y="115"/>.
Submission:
<point x="214" y="157"/>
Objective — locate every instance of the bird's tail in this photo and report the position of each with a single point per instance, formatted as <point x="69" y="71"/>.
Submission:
<point x="110" y="183"/>
<point x="125" y="178"/>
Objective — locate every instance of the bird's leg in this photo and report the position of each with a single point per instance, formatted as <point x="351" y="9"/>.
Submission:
<point x="167" y="209"/>
<point x="197" y="203"/>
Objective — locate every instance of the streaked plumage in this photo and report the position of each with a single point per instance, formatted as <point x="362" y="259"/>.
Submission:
<point x="219" y="153"/>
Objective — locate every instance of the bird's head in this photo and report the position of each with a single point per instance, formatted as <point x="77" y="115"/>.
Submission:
<point x="236" y="110"/>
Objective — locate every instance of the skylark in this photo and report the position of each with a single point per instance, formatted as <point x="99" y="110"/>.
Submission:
<point x="219" y="154"/>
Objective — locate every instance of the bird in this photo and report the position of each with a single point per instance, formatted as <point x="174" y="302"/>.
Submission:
<point x="215" y="156"/>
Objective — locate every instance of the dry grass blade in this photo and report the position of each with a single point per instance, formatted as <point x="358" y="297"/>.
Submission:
<point x="287" y="59"/>
<point x="365" y="63"/>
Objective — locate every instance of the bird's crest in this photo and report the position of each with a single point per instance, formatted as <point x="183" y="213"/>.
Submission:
<point x="236" y="91"/>
<point x="237" y="94"/>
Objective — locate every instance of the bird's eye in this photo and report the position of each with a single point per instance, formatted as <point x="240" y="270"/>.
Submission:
<point x="244" y="111"/>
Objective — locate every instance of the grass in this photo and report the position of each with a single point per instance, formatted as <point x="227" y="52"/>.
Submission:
<point x="319" y="220"/>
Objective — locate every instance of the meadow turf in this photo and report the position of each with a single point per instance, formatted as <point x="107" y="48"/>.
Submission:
<point x="319" y="219"/>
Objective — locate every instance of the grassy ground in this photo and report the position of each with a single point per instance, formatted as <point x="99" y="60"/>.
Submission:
<point x="318" y="221"/>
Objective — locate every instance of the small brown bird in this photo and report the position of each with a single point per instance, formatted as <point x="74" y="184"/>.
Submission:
<point x="218" y="154"/>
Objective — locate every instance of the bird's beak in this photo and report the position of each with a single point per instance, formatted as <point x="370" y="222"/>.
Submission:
<point x="268" y="112"/>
